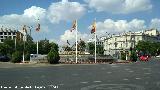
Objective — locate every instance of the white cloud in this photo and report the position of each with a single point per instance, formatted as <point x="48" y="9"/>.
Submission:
<point x="120" y="6"/>
<point x="155" y="23"/>
<point x="35" y="12"/>
<point x="65" y="11"/>
<point x="71" y="36"/>
<point x="119" y="26"/>
<point x="29" y="17"/>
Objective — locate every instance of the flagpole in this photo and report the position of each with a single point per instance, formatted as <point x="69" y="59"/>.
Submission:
<point x="37" y="47"/>
<point x="76" y="41"/>
<point x="37" y="40"/>
<point x="95" y="47"/>
<point x="24" y="38"/>
<point x="95" y="42"/>
<point x="15" y="42"/>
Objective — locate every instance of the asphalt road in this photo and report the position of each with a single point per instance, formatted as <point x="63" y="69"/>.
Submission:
<point x="130" y="76"/>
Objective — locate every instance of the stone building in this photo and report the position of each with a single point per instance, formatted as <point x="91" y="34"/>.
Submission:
<point x="115" y="44"/>
<point x="9" y="33"/>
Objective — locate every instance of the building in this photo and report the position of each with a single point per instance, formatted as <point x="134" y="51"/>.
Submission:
<point x="99" y="41"/>
<point x="8" y="33"/>
<point x="115" y="44"/>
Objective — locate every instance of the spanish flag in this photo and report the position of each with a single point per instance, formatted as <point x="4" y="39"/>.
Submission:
<point x="74" y="25"/>
<point x="38" y="27"/>
<point x="93" y="30"/>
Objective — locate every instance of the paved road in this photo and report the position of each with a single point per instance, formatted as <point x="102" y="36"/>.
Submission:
<point x="132" y="76"/>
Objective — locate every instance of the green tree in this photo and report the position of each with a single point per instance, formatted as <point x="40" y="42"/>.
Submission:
<point x="16" y="57"/>
<point x="53" y="55"/>
<point x="90" y="47"/>
<point x="82" y="45"/>
<point x="148" y="47"/>
<point x="100" y="49"/>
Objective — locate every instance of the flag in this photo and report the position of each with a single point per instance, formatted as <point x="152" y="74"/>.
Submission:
<point x="24" y="29"/>
<point x="93" y="30"/>
<point x="68" y="42"/>
<point x="38" y="27"/>
<point x="73" y="25"/>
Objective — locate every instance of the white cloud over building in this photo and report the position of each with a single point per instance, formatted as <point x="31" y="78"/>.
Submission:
<point x="120" y="6"/>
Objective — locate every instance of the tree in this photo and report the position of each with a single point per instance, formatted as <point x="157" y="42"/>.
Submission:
<point x="16" y="57"/>
<point x="90" y="47"/>
<point x="82" y="45"/>
<point x="44" y="46"/>
<point x="100" y="49"/>
<point x="53" y="55"/>
<point x="148" y="47"/>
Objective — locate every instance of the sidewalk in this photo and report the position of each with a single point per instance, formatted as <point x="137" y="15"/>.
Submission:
<point x="122" y="61"/>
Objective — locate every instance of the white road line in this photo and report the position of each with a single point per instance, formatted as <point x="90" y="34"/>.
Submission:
<point x="109" y="72"/>
<point x="131" y="71"/>
<point x="137" y="78"/>
<point x="147" y="73"/>
<point x="97" y="81"/>
<point x="84" y="82"/>
<point x="61" y="84"/>
<point x="125" y="79"/>
<point x="127" y="69"/>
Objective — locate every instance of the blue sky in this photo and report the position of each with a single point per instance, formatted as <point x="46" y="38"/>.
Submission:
<point x="56" y="16"/>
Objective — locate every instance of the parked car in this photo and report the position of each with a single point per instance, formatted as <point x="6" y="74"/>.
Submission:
<point x="4" y="58"/>
<point x="144" y="57"/>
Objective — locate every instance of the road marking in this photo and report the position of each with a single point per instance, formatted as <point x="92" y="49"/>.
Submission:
<point x="127" y="69"/>
<point x="114" y="87"/>
<point x="84" y="82"/>
<point x="97" y="81"/>
<point x="26" y="77"/>
<point x="109" y="72"/>
<point x="147" y="73"/>
<point x="125" y="79"/>
<point x="103" y="68"/>
<point x="146" y="68"/>
<point x="131" y="71"/>
<point x="61" y="84"/>
<point x="43" y="76"/>
<point x="114" y="66"/>
<point x="137" y="78"/>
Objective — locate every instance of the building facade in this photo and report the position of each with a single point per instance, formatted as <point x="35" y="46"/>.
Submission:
<point x="8" y="33"/>
<point x="115" y="44"/>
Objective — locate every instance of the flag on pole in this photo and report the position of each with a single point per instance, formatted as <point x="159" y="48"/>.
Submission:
<point x="24" y="29"/>
<point x="73" y="25"/>
<point x="93" y="30"/>
<point x="38" y="27"/>
<point x="68" y="42"/>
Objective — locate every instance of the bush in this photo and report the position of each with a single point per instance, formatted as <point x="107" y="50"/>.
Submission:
<point x="27" y="56"/>
<point x="53" y="57"/>
<point x="16" y="57"/>
<point x="123" y="56"/>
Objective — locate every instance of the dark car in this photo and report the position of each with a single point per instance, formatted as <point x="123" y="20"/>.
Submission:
<point x="4" y="58"/>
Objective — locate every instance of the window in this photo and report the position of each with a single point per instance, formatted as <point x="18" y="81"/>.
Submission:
<point x="5" y="33"/>
<point x="9" y="33"/>
<point x="1" y="33"/>
<point x="1" y="40"/>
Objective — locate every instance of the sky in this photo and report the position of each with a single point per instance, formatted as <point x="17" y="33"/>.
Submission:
<point x="56" y="17"/>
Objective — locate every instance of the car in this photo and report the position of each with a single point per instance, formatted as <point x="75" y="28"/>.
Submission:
<point x="4" y="58"/>
<point x="158" y="56"/>
<point x="144" y="58"/>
